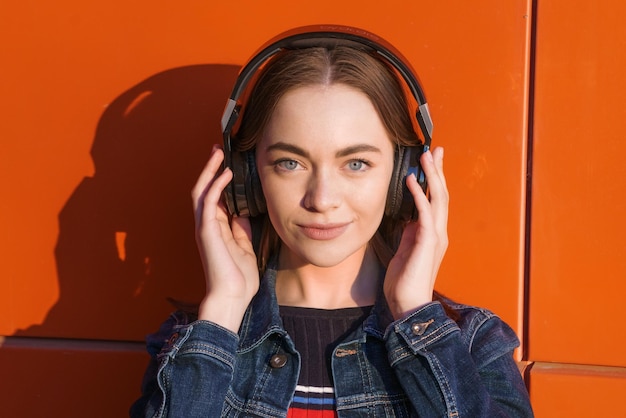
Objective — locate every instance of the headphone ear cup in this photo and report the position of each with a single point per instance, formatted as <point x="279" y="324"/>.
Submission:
<point x="254" y="192"/>
<point x="400" y="203"/>
<point x="408" y="211"/>
<point x="394" y="195"/>
<point x="244" y="195"/>
<point x="235" y="193"/>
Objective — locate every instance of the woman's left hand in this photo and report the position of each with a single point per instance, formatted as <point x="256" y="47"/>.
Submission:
<point x="412" y="272"/>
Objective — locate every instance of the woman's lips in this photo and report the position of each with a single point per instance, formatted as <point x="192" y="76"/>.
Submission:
<point x="323" y="232"/>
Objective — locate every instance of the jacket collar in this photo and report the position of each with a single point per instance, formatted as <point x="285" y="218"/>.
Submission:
<point x="262" y="318"/>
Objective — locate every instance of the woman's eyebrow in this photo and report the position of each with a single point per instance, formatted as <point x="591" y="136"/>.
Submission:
<point x="283" y="146"/>
<point x="352" y="149"/>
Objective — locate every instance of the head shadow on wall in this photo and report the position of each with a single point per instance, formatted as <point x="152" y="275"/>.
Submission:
<point x="126" y="235"/>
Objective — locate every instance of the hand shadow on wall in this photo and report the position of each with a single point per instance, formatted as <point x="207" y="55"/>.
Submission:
<point x="126" y="235"/>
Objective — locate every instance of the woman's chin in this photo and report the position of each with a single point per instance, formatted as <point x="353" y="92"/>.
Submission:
<point x="326" y="256"/>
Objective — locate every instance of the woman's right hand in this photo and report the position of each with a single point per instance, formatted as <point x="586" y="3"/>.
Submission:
<point x="225" y="245"/>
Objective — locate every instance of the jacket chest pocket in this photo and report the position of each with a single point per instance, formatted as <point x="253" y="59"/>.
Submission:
<point x="365" y="383"/>
<point x="263" y="383"/>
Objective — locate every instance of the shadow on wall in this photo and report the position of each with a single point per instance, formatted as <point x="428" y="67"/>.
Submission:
<point x="126" y="235"/>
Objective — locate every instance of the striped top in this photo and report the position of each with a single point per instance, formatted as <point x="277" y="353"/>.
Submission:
<point x="316" y="333"/>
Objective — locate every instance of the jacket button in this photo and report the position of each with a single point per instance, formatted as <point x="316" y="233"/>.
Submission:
<point x="173" y="338"/>
<point x="278" y="360"/>
<point x="418" y="328"/>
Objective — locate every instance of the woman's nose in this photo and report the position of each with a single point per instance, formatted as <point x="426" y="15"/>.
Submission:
<point x="323" y="192"/>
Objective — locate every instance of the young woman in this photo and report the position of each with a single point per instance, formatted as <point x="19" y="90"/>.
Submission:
<point x="322" y="303"/>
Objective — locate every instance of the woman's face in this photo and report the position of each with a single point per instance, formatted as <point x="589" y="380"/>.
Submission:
<point x="325" y="162"/>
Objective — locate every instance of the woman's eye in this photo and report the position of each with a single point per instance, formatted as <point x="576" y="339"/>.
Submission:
<point x="288" y="165"/>
<point x="357" y="165"/>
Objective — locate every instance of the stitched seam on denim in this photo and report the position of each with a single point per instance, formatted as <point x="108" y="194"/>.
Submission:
<point x="210" y="351"/>
<point x="369" y="400"/>
<point x="477" y="323"/>
<point x="253" y="344"/>
<point x="162" y="381"/>
<point x="402" y="352"/>
<point x="434" y="336"/>
<point x="259" y="388"/>
<point x="366" y="378"/>
<point x="442" y="379"/>
<point x="168" y="349"/>
<point x="494" y="354"/>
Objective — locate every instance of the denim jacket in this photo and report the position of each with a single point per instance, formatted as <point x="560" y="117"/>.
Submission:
<point x="425" y="365"/>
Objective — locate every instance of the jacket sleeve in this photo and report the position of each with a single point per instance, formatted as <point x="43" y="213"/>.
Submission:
<point x="466" y="371"/>
<point x="190" y="370"/>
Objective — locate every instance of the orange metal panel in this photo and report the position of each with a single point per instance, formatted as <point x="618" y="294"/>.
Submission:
<point x="579" y="182"/>
<point x="110" y="108"/>
<point x="42" y="378"/>
<point x="560" y="390"/>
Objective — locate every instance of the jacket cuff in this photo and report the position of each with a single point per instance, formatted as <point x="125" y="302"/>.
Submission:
<point x="203" y="338"/>
<point x="419" y="330"/>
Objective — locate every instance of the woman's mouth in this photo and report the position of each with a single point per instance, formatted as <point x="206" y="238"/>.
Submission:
<point x="323" y="232"/>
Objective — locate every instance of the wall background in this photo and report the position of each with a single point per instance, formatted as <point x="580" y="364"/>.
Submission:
<point x="109" y="111"/>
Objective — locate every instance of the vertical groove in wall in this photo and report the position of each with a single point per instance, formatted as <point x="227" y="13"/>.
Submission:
<point x="529" y="173"/>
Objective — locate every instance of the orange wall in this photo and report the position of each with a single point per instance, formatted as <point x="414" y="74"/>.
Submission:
<point x="109" y="111"/>
<point x="577" y="262"/>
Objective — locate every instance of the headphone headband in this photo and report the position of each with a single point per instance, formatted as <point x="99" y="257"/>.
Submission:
<point x="319" y="35"/>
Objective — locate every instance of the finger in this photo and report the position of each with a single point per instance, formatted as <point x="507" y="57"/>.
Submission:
<point x="421" y="200"/>
<point x="432" y="220"/>
<point x="432" y="163"/>
<point x="242" y="232"/>
<point x="212" y="201"/>
<point x="438" y="159"/>
<point x="207" y="175"/>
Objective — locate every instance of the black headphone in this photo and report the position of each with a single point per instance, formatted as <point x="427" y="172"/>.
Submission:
<point x="244" y="195"/>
